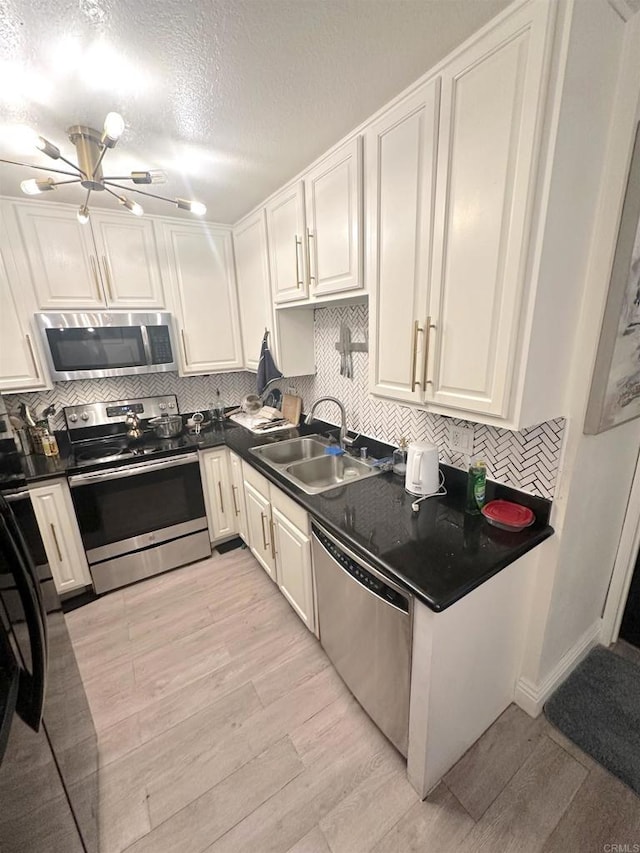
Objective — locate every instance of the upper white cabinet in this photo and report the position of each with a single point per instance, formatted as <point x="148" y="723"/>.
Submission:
<point x="199" y="260"/>
<point x="451" y="178"/>
<point x="61" y="256"/>
<point x="128" y="259"/>
<point x="20" y="362"/>
<point x="333" y="196"/>
<point x="112" y="261"/>
<point x="254" y="289"/>
<point x="286" y="229"/>
<point x="401" y="161"/>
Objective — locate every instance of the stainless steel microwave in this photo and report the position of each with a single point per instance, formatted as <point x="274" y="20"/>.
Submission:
<point x="90" y="345"/>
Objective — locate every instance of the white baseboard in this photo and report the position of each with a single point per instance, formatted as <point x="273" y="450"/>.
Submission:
<point x="531" y="697"/>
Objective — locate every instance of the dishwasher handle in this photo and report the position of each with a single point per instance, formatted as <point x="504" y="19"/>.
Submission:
<point x="363" y="573"/>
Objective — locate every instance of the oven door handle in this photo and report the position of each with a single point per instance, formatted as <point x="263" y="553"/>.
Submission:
<point x="132" y="470"/>
<point x="13" y="497"/>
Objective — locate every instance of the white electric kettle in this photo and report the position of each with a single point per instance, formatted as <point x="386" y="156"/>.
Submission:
<point x="423" y="473"/>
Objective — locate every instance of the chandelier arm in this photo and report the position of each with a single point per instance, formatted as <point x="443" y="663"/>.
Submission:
<point x="40" y="168"/>
<point x="142" y="192"/>
<point x="99" y="161"/>
<point x="111" y="192"/>
<point x="72" y="181"/>
<point x="73" y="165"/>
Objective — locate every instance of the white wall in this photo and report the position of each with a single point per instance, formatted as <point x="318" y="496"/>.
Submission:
<point x="596" y="472"/>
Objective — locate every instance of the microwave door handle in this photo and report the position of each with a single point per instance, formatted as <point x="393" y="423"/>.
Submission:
<point x="32" y="688"/>
<point x="145" y="343"/>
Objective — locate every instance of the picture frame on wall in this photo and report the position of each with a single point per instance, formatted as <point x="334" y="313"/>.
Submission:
<point x="615" y="387"/>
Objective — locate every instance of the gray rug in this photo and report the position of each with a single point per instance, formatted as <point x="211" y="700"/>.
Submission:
<point x="598" y="708"/>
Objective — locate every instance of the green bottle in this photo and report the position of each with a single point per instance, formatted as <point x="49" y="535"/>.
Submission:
<point x="476" y="485"/>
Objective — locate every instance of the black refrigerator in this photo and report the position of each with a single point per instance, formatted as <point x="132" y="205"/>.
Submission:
<point x="48" y="746"/>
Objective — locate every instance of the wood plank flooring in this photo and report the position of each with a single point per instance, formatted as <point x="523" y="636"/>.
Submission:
<point x="223" y="727"/>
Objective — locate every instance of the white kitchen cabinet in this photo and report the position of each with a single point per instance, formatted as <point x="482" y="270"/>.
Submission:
<point x="62" y="257"/>
<point x="237" y="494"/>
<point x="58" y="527"/>
<point x="199" y="260"/>
<point x="254" y="287"/>
<point x="259" y="528"/>
<point x="293" y="566"/>
<point x="333" y="197"/>
<point x="286" y="230"/>
<point x="401" y="160"/>
<point x="128" y="258"/>
<point x="21" y="366"/>
<point x="219" y="496"/>
<point x="111" y="261"/>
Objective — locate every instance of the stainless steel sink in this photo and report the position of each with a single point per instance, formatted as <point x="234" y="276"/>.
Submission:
<point x="304" y="463"/>
<point x="327" y="472"/>
<point x="293" y="450"/>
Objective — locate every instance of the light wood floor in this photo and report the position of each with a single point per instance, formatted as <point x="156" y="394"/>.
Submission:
<point x="222" y="727"/>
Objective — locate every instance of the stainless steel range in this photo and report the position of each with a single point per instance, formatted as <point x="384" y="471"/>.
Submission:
<point x="139" y="504"/>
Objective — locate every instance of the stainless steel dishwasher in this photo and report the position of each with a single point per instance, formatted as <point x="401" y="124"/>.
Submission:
<point x="365" y="624"/>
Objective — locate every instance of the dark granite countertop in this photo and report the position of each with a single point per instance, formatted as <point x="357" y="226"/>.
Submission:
<point x="440" y="553"/>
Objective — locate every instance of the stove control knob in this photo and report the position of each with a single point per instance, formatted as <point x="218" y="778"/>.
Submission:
<point x="73" y="418"/>
<point x="162" y="406"/>
<point x="85" y="416"/>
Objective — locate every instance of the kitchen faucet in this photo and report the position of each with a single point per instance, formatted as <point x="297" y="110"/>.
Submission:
<point x="345" y="441"/>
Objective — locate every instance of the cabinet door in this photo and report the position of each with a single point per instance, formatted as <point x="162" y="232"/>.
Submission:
<point x="237" y="495"/>
<point x="128" y="258"/>
<point x="293" y="561"/>
<point x="333" y="196"/>
<point x="200" y="262"/>
<point x="56" y="518"/>
<point x="400" y="163"/>
<point x="259" y="529"/>
<point x="254" y="289"/>
<point x="20" y="364"/>
<point x="62" y="257"/>
<point x="217" y="478"/>
<point x="286" y="230"/>
<point x="491" y="97"/>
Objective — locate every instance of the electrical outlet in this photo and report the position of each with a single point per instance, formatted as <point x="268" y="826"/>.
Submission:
<point x="461" y="439"/>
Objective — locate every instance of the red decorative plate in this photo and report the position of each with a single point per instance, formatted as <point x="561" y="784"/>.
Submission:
<point x="507" y="515"/>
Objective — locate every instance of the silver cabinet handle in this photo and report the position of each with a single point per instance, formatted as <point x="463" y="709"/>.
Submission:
<point x="273" y="538"/>
<point x="414" y="353"/>
<point x="263" y="518"/>
<point x="221" y="498"/>
<point x="299" y="281"/>
<point x="427" y="341"/>
<point x="55" y="539"/>
<point x="184" y="346"/>
<point x="107" y="275"/>
<point x="94" y="269"/>
<point x="310" y="237"/>
<point x="234" y="490"/>
<point x="33" y="355"/>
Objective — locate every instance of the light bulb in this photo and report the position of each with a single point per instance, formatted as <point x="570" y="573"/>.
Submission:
<point x="33" y="186"/>
<point x="152" y="176"/>
<point x="132" y="206"/>
<point x="48" y="148"/>
<point x="196" y="207"/>
<point x="83" y="214"/>
<point x="113" y="126"/>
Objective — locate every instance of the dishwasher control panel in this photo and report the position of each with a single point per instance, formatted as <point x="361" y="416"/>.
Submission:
<point x="364" y="577"/>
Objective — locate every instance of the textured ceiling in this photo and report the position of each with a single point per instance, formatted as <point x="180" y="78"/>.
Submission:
<point x="230" y="97"/>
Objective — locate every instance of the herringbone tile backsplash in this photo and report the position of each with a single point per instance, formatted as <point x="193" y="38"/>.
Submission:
<point x="527" y="460"/>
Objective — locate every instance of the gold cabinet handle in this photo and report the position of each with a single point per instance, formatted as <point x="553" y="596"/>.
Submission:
<point x="55" y="539"/>
<point x="94" y="269"/>
<point x="273" y="538"/>
<point x="33" y="355"/>
<point x="263" y="518"/>
<point x="184" y="347"/>
<point x="234" y="490"/>
<point x="299" y="281"/>
<point x="310" y="237"/>
<point x="107" y="275"/>
<point x="221" y="498"/>
<point x="427" y="343"/>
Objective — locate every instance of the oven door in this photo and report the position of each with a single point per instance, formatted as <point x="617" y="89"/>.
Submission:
<point x="122" y="510"/>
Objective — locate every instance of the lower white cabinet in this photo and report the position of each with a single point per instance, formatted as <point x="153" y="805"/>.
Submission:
<point x="56" y="519"/>
<point x="237" y="494"/>
<point x="278" y="535"/>
<point x="219" y="497"/>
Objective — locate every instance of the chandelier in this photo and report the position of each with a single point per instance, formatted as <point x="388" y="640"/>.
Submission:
<point x="91" y="147"/>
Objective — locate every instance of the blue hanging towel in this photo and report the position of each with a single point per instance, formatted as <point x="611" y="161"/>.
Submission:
<point x="267" y="370"/>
